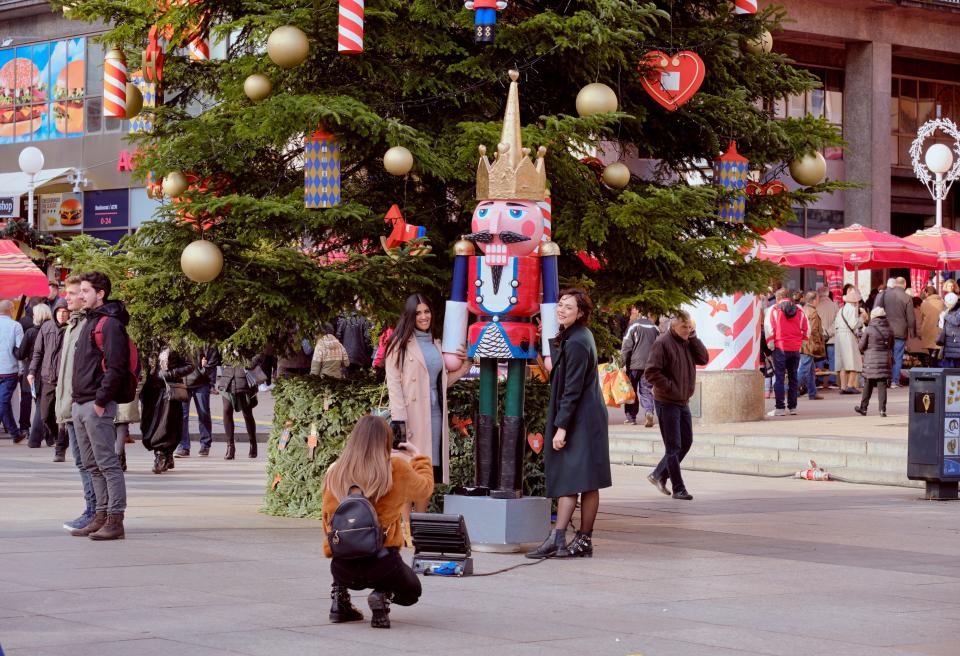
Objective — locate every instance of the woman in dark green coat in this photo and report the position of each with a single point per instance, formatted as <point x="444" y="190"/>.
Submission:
<point x="577" y="457"/>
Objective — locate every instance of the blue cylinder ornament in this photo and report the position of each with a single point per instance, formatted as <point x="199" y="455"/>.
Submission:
<point x="730" y="172"/>
<point x="321" y="170"/>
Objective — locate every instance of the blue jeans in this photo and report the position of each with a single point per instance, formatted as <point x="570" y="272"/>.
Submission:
<point x="785" y="363"/>
<point x="86" y="480"/>
<point x="676" y="430"/>
<point x="7" y="385"/>
<point x="832" y="363"/>
<point x="808" y="374"/>
<point x="899" y="345"/>
<point x="201" y="398"/>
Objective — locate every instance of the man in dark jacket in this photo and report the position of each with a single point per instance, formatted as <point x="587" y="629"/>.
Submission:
<point x="903" y="322"/>
<point x="672" y="370"/>
<point x="45" y="364"/>
<point x="99" y="376"/>
<point x="639" y="338"/>
<point x="353" y="331"/>
<point x="205" y="361"/>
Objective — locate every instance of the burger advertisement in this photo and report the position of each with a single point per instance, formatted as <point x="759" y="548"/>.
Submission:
<point x="23" y="98"/>
<point x="68" y="98"/>
<point x="61" y="212"/>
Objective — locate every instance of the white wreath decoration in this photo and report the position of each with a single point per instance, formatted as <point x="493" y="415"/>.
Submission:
<point x="916" y="152"/>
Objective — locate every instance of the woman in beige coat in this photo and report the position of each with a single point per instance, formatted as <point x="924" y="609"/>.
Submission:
<point x="417" y="383"/>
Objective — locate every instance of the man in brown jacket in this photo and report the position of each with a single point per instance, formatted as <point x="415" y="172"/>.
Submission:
<point x="672" y="370"/>
<point x="814" y="348"/>
<point x="930" y="311"/>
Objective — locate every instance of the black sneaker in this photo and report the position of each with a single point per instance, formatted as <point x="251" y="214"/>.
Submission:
<point x="204" y="451"/>
<point x="181" y="453"/>
<point x="682" y="494"/>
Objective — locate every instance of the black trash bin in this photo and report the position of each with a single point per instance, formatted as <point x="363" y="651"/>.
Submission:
<point x="933" y="446"/>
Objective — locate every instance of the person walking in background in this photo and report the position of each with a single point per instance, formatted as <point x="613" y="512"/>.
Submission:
<point x="951" y="333"/>
<point x="813" y="349"/>
<point x="848" y="325"/>
<point x="38" y="431"/>
<point x="101" y="369"/>
<point x="634" y="350"/>
<point x="329" y="356"/>
<point x="353" y="331"/>
<point x="238" y="393"/>
<point x="203" y="362"/>
<point x="827" y="310"/>
<point x="899" y="310"/>
<point x="42" y="373"/>
<point x="29" y="396"/>
<point x="876" y="344"/>
<point x="786" y="329"/>
<point x="577" y="454"/>
<point x="930" y="310"/>
<point x="11" y="336"/>
<point x="672" y="370"/>
<point x="161" y="423"/>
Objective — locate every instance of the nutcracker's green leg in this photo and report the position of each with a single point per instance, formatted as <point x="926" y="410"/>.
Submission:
<point x="487" y="442"/>
<point x="512" y="435"/>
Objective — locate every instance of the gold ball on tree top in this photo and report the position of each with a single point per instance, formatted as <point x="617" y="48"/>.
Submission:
<point x="134" y="101"/>
<point x="760" y="45"/>
<point x="287" y="46"/>
<point x="596" y="98"/>
<point x="257" y="87"/>
<point x="809" y="170"/>
<point x="398" y="161"/>
<point x="201" y="261"/>
<point x="616" y="175"/>
<point x="174" y="184"/>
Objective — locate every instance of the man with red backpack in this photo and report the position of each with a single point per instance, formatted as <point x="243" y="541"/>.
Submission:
<point x="786" y="329"/>
<point x="103" y="375"/>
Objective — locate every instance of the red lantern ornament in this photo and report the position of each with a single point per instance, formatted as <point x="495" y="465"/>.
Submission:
<point x="672" y="80"/>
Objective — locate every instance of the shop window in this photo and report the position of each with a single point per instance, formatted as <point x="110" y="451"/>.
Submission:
<point x="914" y="102"/>
<point x="823" y="102"/>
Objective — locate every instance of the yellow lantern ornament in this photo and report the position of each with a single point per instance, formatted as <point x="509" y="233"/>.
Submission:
<point x="616" y="175"/>
<point x="287" y="46"/>
<point x="201" y="261"/>
<point x="809" y="170"/>
<point x="257" y="87"/>
<point x="596" y="98"/>
<point x="398" y="161"/>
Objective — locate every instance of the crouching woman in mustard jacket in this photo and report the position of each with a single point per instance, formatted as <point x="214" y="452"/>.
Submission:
<point x="391" y="483"/>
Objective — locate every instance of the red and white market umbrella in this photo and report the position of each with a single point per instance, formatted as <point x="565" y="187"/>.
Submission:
<point x="943" y="241"/>
<point x="18" y="275"/>
<point x="866" y="248"/>
<point x="790" y="250"/>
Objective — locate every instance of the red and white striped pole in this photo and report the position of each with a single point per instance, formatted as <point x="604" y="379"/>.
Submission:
<point x="745" y="6"/>
<point x="114" y="84"/>
<point x="350" y="28"/>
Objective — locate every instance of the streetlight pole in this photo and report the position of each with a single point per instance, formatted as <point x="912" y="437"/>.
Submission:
<point x="31" y="163"/>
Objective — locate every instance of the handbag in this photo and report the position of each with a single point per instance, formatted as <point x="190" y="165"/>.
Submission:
<point x="255" y="377"/>
<point x="623" y="392"/>
<point x="177" y="392"/>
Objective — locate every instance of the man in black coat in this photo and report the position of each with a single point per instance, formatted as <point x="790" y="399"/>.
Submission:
<point x="634" y="351"/>
<point x="353" y="331"/>
<point x="903" y="322"/>
<point x="672" y="370"/>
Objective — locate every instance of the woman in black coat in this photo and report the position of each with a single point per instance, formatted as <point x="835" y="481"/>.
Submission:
<point x="238" y="394"/>
<point x="577" y="458"/>
<point x="161" y="417"/>
<point x="876" y="344"/>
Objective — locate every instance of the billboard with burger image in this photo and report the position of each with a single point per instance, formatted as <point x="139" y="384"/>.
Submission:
<point x="68" y="71"/>
<point x="24" y="89"/>
<point x="61" y="212"/>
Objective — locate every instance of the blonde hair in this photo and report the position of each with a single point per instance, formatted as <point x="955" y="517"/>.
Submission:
<point x="365" y="461"/>
<point x="41" y="313"/>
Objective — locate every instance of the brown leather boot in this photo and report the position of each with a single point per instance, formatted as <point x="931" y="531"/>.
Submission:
<point x="111" y="530"/>
<point x="99" y="519"/>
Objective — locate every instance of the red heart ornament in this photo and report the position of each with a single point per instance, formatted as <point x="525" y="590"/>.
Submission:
<point x="672" y="79"/>
<point x="535" y="440"/>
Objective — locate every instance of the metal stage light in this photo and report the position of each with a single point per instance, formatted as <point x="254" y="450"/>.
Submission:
<point x="441" y="545"/>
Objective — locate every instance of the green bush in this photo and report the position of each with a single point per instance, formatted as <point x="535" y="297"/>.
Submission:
<point x="334" y="406"/>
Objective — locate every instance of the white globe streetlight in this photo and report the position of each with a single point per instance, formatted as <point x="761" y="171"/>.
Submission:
<point x="938" y="160"/>
<point x="31" y="163"/>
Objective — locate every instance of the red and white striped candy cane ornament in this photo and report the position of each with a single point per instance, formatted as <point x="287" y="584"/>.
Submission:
<point x="114" y="84"/>
<point x="199" y="47"/>
<point x="745" y="6"/>
<point x="350" y="27"/>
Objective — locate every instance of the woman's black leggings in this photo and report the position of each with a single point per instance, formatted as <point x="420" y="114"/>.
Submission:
<point x="387" y="574"/>
<point x="228" y="426"/>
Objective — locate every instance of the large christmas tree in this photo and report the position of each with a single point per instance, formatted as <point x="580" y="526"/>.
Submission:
<point x="423" y="83"/>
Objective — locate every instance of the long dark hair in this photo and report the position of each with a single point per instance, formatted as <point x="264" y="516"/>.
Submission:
<point x="407" y="324"/>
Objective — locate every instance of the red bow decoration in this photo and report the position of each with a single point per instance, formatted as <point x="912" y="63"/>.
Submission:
<point x="216" y="185"/>
<point x="535" y="440"/>
<point x="769" y="189"/>
<point x="461" y="424"/>
<point x="589" y="260"/>
<point x="717" y="306"/>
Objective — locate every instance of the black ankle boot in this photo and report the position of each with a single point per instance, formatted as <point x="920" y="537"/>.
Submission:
<point x="253" y="448"/>
<point x="342" y="610"/>
<point x="159" y="462"/>
<point x="580" y="547"/>
<point x="555" y="542"/>
<point x="231" y="451"/>
<point x="379" y="603"/>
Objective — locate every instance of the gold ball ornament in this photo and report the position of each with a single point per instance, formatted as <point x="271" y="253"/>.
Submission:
<point x="398" y="161"/>
<point x="257" y="87"/>
<point x="809" y="170"/>
<point x="174" y="184"/>
<point x="287" y="46"/>
<point x="134" y="100"/>
<point x="761" y="45"/>
<point x="616" y="175"/>
<point x="201" y="261"/>
<point x="596" y="98"/>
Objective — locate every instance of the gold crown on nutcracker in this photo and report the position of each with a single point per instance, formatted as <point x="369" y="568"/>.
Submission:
<point x="512" y="175"/>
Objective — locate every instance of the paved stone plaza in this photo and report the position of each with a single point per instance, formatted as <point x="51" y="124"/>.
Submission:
<point x="751" y="566"/>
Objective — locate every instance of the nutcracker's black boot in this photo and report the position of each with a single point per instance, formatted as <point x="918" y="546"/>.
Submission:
<point x="486" y="450"/>
<point x="511" y="459"/>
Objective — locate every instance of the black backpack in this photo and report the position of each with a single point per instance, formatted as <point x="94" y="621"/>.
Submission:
<point x="789" y="309"/>
<point x="355" y="530"/>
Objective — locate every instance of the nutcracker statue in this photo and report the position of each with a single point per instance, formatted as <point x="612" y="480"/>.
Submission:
<point x="514" y="279"/>
<point x="484" y="18"/>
